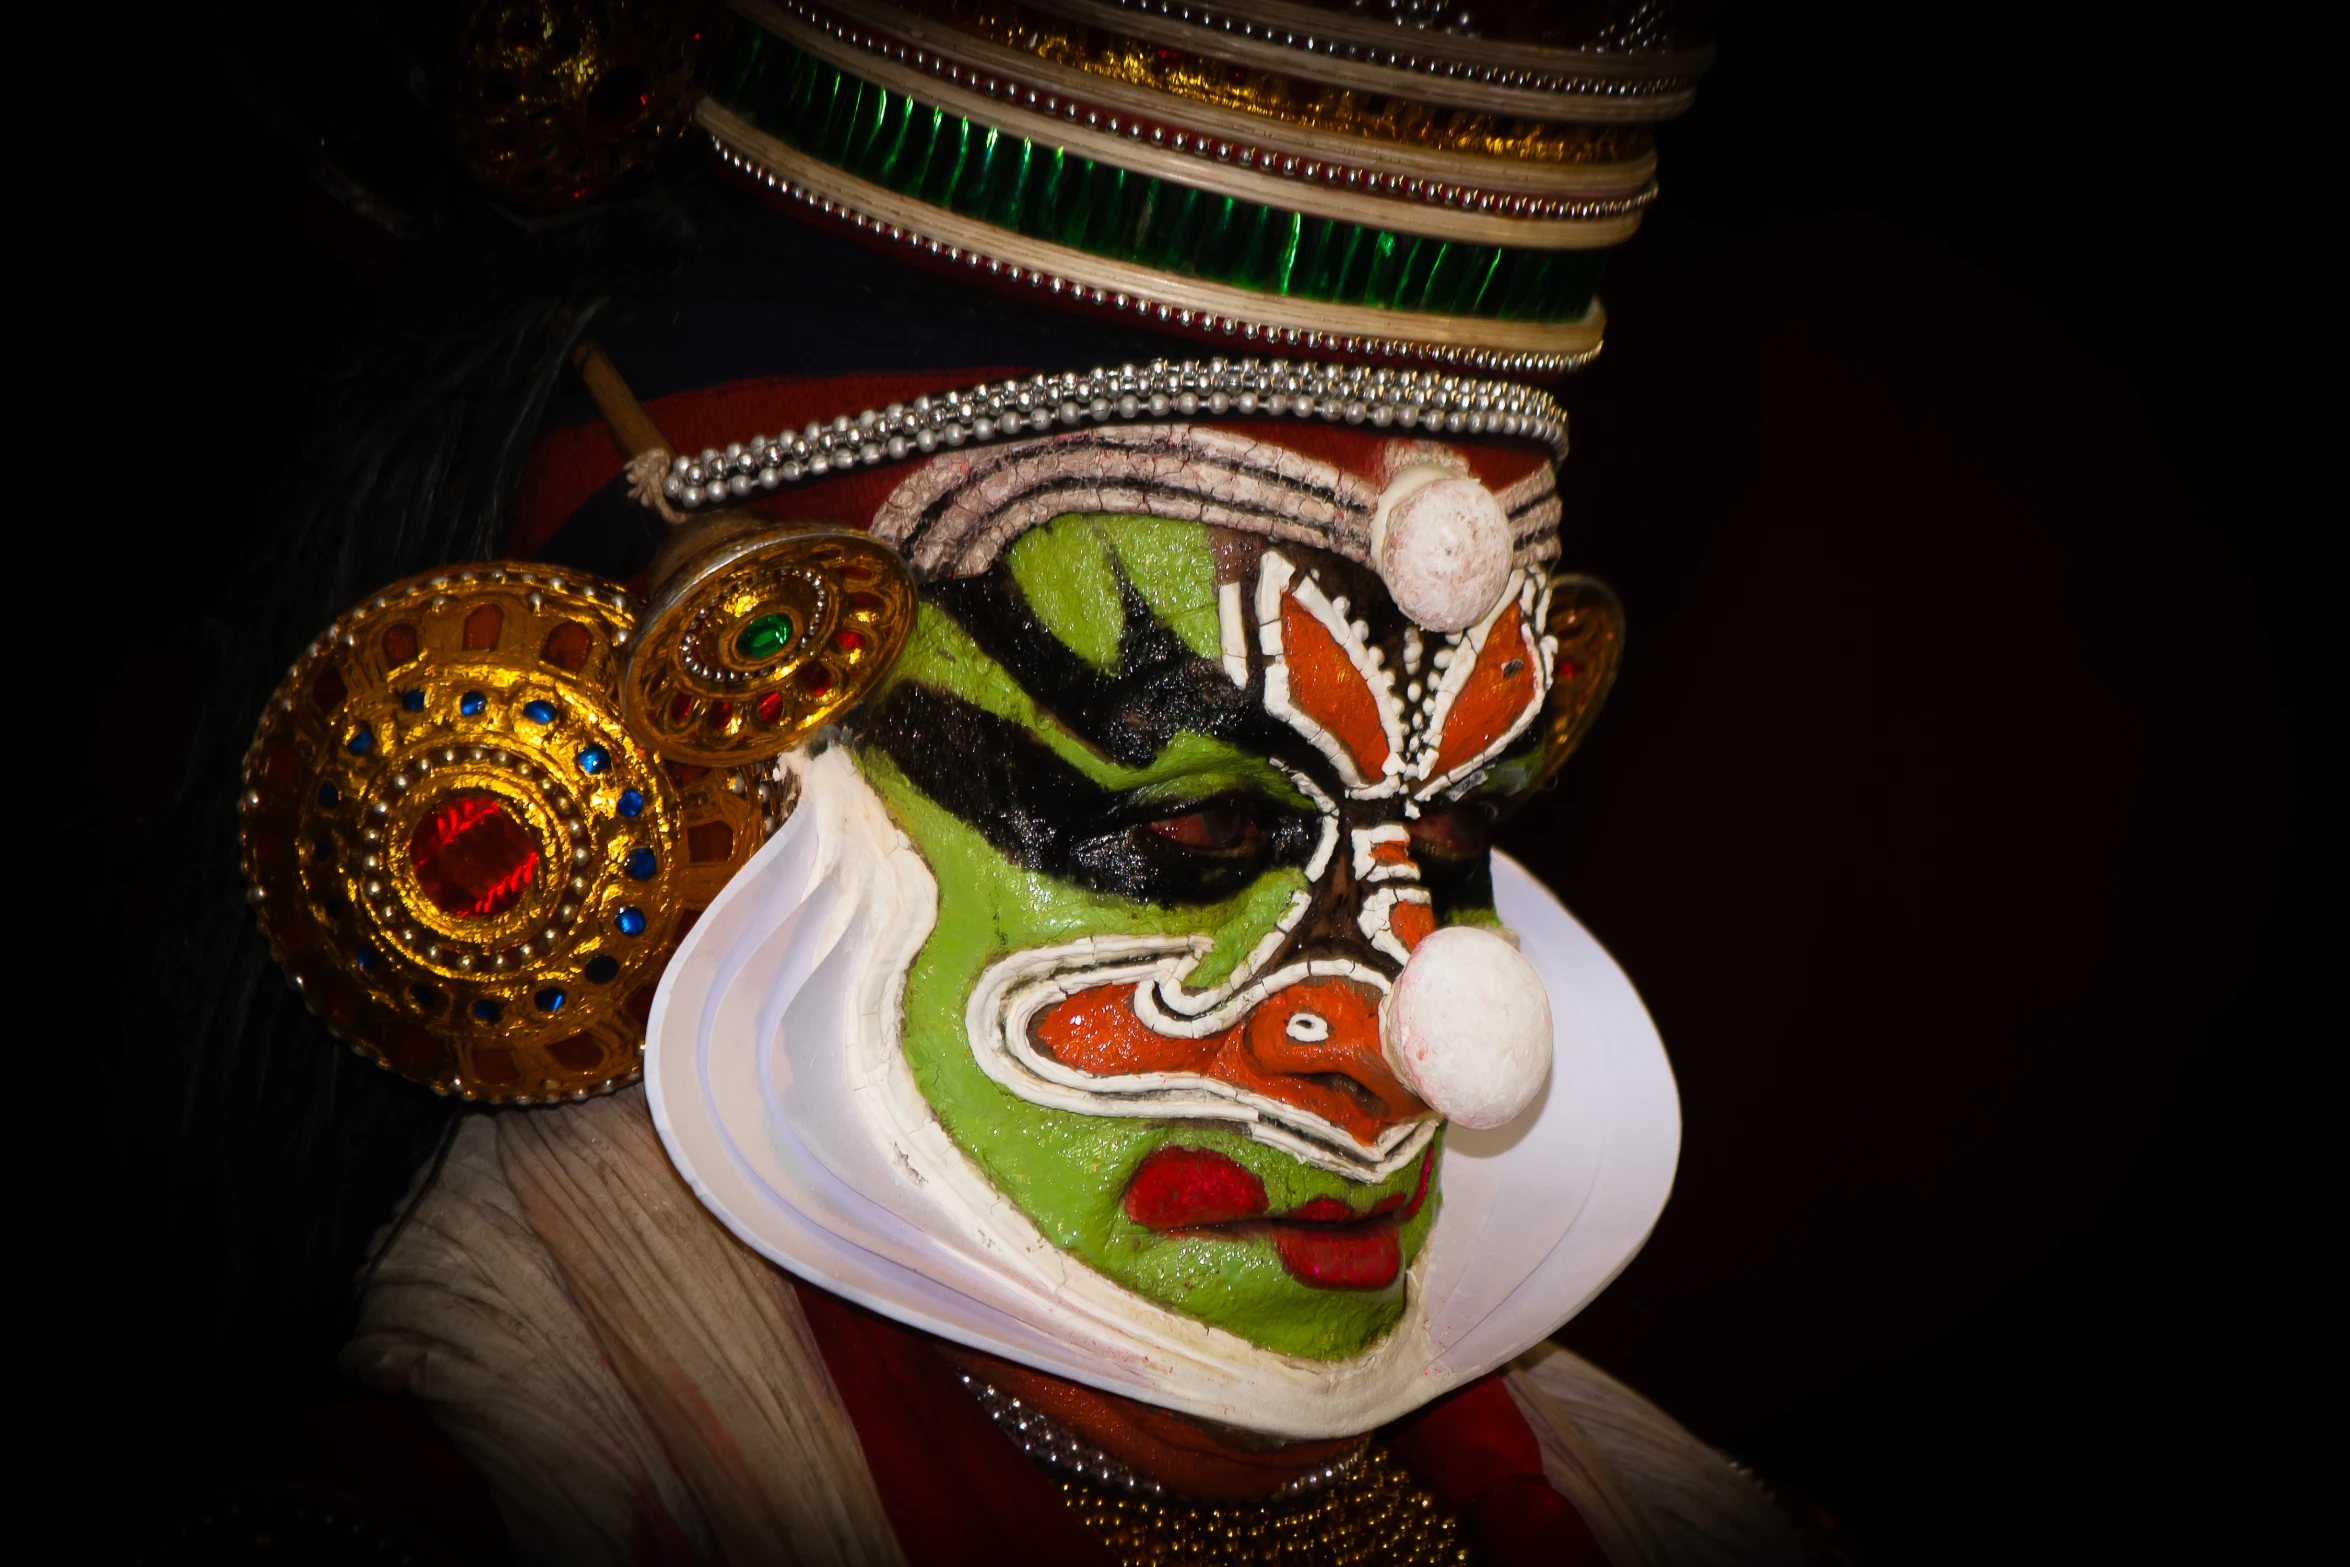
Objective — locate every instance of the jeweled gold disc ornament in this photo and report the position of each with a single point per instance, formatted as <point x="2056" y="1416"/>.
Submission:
<point x="466" y="863"/>
<point x="1588" y="620"/>
<point x="753" y="644"/>
<point x="553" y="102"/>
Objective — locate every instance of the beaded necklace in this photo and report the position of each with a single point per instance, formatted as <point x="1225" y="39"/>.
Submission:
<point x="1362" y="1510"/>
<point x="1376" y="1515"/>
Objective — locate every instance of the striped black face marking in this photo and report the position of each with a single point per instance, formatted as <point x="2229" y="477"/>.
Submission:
<point x="1160" y="688"/>
<point x="1162" y="846"/>
<point x="1044" y="815"/>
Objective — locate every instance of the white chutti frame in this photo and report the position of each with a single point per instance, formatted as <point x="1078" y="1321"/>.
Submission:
<point x="776" y="1080"/>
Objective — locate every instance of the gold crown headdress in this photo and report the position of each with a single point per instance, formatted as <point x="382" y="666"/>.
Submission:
<point x="485" y="805"/>
<point x="1266" y="174"/>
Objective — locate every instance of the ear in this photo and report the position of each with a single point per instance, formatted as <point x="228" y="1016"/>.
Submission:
<point x="1587" y="621"/>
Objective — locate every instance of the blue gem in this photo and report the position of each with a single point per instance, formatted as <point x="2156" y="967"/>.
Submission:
<point x="412" y="700"/>
<point x="642" y="864"/>
<point x="631" y="803"/>
<point x="594" y="759"/>
<point x="328" y="795"/>
<point x="425" y="996"/>
<point x="602" y="967"/>
<point x="366" y="959"/>
<point x="362" y="740"/>
<point x="488" y="1011"/>
<point x="471" y="704"/>
<point x="548" y="1000"/>
<point x="539" y="712"/>
<point x="630" y="921"/>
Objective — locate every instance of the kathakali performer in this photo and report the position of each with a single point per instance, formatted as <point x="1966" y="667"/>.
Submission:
<point x="945" y="863"/>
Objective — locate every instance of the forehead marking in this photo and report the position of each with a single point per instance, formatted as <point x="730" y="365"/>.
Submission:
<point x="1325" y="681"/>
<point x="1495" y="678"/>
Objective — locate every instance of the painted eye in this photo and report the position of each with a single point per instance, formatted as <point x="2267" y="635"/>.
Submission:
<point x="1457" y="834"/>
<point x="1218" y="827"/>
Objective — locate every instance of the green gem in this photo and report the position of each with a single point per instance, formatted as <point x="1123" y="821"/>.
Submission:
<point x="764" y="637"/>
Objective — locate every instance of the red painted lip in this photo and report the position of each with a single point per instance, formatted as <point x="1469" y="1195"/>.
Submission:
<point x="1322" y="1244"/>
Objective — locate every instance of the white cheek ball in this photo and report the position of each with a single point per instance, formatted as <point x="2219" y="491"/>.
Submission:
<point x="1443" y="549"/>
<point x="1467" y="1027"/>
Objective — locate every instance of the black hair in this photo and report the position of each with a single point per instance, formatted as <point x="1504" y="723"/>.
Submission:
<point x="253" y="1155"/>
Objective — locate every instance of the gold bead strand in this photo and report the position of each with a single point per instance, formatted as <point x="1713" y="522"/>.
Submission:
<point x="1377" y="1516"/>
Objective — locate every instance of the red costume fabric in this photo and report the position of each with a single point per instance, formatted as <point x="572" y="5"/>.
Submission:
<point x="958" y="1492"/>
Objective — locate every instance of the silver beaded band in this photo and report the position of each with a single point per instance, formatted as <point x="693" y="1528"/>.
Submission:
<point x="1432" y="404"/>
<point x="1057" y="1447"/>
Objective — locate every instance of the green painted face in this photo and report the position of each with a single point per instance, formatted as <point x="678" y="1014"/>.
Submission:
<point x="1071" y="745"/>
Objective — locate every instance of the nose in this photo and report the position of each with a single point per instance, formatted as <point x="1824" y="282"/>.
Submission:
<point x="1316" y="1045"/>
<point x="1467" y="1027"/>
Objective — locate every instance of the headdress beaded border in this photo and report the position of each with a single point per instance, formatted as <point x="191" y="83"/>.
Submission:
<point x="1438" y="405"/>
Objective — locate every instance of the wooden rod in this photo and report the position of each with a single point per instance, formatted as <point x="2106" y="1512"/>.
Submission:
<point x="631" y="426"/>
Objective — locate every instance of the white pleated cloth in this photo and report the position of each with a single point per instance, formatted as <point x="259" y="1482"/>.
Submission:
<point x="638" y="1386"/>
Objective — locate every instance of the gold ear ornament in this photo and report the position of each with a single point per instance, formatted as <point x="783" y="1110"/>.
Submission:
<point x="1588" y="620"/>
<point x="763" y="637"/>
<point x="466" y="863"/>
<point x="484" y="806"/>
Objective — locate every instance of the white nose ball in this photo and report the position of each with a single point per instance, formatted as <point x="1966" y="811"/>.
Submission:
<point x="1444" y="553"/>
<point x="1467" y="1027"/>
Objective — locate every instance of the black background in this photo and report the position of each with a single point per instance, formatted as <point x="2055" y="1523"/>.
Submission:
<point x="1965" y="453"/>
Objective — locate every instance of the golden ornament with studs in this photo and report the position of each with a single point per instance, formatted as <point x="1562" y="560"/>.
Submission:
<point x="463" y="859"/>
<point x="484" y="807"/>
<point x="1588" y="621"/>
<point x="763" y="636"/>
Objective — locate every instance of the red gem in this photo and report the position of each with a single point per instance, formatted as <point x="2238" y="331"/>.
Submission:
<point x="681" y="708"/>
<point x="579" y="1053"/>
<point x="770" y="707"/>
<point x="328" y="689"/>
<point x="568" y="646"/>
<point x="815" y="679"/>
<point x="720" y="712"/>
<point x="864" y="604"/>
<point x="707" y="843"/>
<point x="471" y="857"/>
<point x="483" y="626"/>
<point x="848" y="641"/>
<point x="416" y="1052"/>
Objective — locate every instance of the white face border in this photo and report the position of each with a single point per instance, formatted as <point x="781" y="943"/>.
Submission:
<point x="779" y="1086"/>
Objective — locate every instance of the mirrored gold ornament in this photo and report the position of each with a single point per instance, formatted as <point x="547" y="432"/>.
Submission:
<point x="551" y="102"/>
<point x="1588" y="621"/>
<point x="466" y="863"/>
<point x="754" y="643"/>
